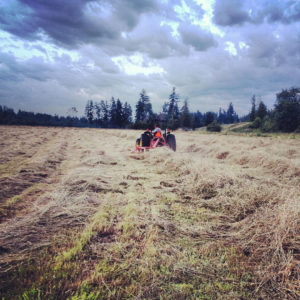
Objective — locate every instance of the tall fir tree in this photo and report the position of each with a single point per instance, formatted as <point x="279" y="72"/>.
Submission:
<point x="173" y="117"/>
<point x="127" y="114"/>
<point x="143" y="112"/>
<point x="230" y="114"/>
<point x="185" y="115"/>
<point x="113" y="112"/>
<point x="222" y="116"/>
<point x="197" y="119"/>
<point x="119" y="114"/>
<point x="97" y="112"/>
<point x="104" y="113"/>
<point x="89" y="111"/>
<point x="261" y="111"/>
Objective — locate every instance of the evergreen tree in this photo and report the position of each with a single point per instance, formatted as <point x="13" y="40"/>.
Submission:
<point x="139" y="111"/>
<point x="89" y="111"/>
<point x="173" y="116"/>
<point x="143" y="112"/>
<point x="197" y="120"/>
<point x="261" y="110"/>
<point x="185" y="115"/>
<point x="209" y="117"/>
<point x="252" y="114"/>
<point x="127" y="114"/>
<point x="162" y="117"/>
<point x="222" y="116"/>
<point x="230" y="114"/>
<point x="104" y="113"/>
<point x="97" y="113"/>
<point x="119" y="114"/>
<point x="165" y="109"/>
<point x="113" y="112"/>
<point x="193" y="121"/>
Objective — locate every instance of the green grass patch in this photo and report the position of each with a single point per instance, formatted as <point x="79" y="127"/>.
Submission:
<point x="13" y="201"/>
<point x="101" y="222"/>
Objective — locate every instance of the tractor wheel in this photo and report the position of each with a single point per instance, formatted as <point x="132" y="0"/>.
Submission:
<point x="145" y="140"/>
<point x="171" y="141"/>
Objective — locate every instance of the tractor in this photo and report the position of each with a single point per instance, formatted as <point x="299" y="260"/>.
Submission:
<point x="146" y="142"/>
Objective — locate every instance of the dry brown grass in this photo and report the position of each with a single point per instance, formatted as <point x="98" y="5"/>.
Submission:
<point x="82" y="216"/>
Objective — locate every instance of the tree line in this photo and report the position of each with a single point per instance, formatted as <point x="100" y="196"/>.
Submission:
<point x="115" y="114"/>
<point x="9" y="117"/>
<point x="285" y="116"/>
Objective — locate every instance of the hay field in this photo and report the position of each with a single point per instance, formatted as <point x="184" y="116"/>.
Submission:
<point x="81" y="217"/>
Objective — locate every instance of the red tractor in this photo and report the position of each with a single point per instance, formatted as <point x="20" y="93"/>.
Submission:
<point x="147" y="141"/>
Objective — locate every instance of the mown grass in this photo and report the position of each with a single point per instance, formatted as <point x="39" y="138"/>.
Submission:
<point x="12" y="167"/>
<point x="101" y="222"/>
<point x="16" y="203"/>
<point x="196" y="224"/>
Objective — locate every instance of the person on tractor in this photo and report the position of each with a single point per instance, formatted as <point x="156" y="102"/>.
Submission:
<point x="157" y="131"/>
<point x="158" y="135"/>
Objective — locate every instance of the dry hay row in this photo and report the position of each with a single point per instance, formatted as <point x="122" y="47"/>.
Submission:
<point x="274" y="157"/>
<point x="29" y="178"/>
<point x="258" y="214"/>
<point x="64" y="200"/>
<point x="73" y="197"/>
<point x="21" y="141"/>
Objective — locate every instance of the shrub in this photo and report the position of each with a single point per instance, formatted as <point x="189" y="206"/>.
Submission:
<point x="267" y="124"/>
<point x="287" y="110"/>
<point x="214" y="126"/>
<point x="256" y="123"/>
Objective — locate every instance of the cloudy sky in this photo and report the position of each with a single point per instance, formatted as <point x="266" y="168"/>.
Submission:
<point x="60" y="53"/>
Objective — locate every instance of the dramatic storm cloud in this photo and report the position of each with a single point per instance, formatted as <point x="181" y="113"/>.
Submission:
<point x="58" y="54"/>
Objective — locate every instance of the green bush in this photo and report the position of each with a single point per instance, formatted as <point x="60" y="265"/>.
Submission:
<point x="256" y="123"/>
<point x="214" y="126"/>
<point x="267" y="124"/>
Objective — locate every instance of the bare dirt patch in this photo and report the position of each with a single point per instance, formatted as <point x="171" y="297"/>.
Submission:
<point x="222" y="155"/>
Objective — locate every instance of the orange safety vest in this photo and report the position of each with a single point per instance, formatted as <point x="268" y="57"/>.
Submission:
<point x="158" y="134"/>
